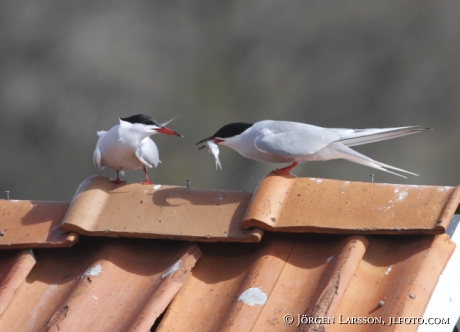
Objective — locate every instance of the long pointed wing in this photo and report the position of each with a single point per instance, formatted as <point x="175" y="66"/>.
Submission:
<point x="364" y="136"/>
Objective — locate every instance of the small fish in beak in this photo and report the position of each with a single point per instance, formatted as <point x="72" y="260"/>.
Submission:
<point x="214" y="150"/>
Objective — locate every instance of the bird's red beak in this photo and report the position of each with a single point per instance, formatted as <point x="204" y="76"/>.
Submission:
<point x="167" y="131"/>
<point x="215" y="140"/>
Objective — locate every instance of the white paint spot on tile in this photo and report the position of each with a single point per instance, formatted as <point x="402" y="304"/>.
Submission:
<point x="329" y="259"/>
<point x="389" y="269"/>
<point x="396" y="191"/>
<point x="94" y="297"/>
<point x="318" y="181"/>
<point x="172" y="269"/>
<point x="253" y="296"/>
<point x="33" y="205"/>
<point x="14" y="200"/>
<point x="94" y="271"/>
<point x="157" y="186"/>
<point x="402" y="195"/>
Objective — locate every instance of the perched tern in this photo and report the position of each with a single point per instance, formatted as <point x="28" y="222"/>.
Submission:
<point x="292" y="142"/>
<point x="127" y="146"/>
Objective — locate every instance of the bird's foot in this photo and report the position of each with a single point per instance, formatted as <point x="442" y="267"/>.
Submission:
<point x="280" y="171"/>
<point x="117" y="181"/>
<point x="147" y="181"/>
<point x="285" y="170"/>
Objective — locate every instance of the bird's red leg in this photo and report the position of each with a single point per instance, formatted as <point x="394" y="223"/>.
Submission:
<point x="285" y="170"/>
<point x="147" y="181"/>
<point x="117" y="180"/>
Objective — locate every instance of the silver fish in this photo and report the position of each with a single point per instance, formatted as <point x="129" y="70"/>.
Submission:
<point x="214" y="150"/>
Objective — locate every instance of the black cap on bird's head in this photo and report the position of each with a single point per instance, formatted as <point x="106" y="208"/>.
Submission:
<point x="227" y="131"/>
<point x="142" y="119"/>
<point x="149" y="121"/>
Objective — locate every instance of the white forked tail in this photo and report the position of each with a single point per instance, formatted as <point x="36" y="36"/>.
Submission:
<point x="351" y="155"/>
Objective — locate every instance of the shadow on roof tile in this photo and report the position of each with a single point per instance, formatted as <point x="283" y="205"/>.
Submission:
<point x="287" y="204"/>
<point x="101" y="208"/>
<point x="253" y="287"/>
<point x="109" y="284"/>
<point x="32" y="224"/>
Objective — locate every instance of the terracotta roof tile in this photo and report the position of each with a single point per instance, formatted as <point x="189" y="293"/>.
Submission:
<point x="101" y="208"/>
<point x="116" y="285"/>
<point x="320" y="205"/>
<point x="15" y="265"/>
<point x="32" y="224"/>
<point x="445" y="299"/>
<point x="105" y="283"/>
<point x="324" y="275"/>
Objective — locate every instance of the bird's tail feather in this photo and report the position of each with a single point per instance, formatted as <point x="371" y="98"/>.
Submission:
<point x="351" y="155"/>
<point x="101" y="133"/>
<point x="365" y="136"/>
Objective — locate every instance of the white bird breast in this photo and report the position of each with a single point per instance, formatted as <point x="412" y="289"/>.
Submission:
<point x="214" y="150"/>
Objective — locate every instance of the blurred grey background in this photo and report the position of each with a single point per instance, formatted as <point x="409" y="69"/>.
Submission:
<point x="70" y="68"/>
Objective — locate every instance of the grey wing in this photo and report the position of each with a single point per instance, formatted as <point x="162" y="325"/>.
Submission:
<point x="298" y="140"/>
<point x="147" y="153"/>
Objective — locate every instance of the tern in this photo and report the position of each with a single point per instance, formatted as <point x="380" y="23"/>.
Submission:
<point x="127" y="146"/>
<point x="293" y="142"/>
